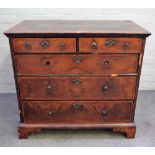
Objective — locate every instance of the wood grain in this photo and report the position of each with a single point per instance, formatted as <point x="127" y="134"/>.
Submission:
<point x="77" y="64"/>
<point x="68" y="88"/>
<point x="88" y="112"/>
<point x="120" y="45"/>
<point x="44" y="45"/>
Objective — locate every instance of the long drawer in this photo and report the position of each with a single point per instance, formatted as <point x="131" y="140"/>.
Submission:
<point x="77" y="88"/>
<point x="91" y="112"/>
<point x="44" y="45"/>
<point x="73" y="63"/>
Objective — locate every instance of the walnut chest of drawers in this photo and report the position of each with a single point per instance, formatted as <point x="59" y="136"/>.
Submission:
<point x="77" y="74"/>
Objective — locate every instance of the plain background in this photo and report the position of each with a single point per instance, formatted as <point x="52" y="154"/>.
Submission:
<point x="11" y="17"/>
<point x="78" y="4"/>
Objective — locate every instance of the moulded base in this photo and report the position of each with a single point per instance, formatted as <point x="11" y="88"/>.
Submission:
<point x="129" y="129"/>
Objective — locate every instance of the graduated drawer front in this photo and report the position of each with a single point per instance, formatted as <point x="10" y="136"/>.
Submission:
<point x="89" y="112"/>
<point x="73" y="63"/>
<point x="77" y="88"/>
<point x="104" y="45"/>
<point x="44" y="45"/>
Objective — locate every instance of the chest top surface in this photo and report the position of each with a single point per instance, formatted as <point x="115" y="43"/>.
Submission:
<point x="77" y="27"/>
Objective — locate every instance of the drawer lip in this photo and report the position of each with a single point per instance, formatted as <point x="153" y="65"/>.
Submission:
<point x="75" y="64"/>
<point x="76" y="75"/>
<point x="90" y="112"/>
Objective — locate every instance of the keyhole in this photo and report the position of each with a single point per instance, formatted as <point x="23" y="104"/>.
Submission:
<point x="77" y="59"/>
<point x="45" y="44"/>
<point x="47" y="63"/>
<point x="110" y="43"/>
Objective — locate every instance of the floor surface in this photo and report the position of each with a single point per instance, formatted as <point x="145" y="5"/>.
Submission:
<point x="145" y="120"/>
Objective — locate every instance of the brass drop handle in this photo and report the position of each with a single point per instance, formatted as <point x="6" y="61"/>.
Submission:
<point x="77" y="81"/>
<point x="50" y="114"/>
<point x="49" y="89"/>
<point x="106" y="63"/>
<point x="103" y="112"/>
<point x="105" y="89"/>
<point x="126" y="45"/>
<point x="27" y="45"/>
<point x="62" y="45"/>
<point x="94" y="45"/>
<point x="45" y="44"/>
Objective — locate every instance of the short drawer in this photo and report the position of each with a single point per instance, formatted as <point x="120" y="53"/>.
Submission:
<point x="43" y="45"/>
<point x="90" y="112"/>
<point x="104" y="45"/>
<point x="73" y="63"/>
<point x="77" y="88"/>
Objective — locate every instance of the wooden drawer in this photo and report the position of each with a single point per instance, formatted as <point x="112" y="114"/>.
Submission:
<point x="43" y="45"/>
<point x="77" y="88"/>
<point x="104" y="45"/>
<point x="77" y="112"/>
<point x="70" y="64"/>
